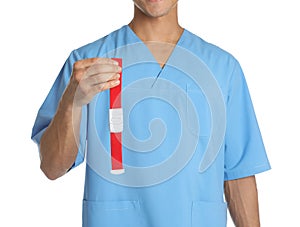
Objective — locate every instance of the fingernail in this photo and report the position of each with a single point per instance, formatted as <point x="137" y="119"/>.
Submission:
<point x="115" y="82"/>
<point x="115" y="62"/>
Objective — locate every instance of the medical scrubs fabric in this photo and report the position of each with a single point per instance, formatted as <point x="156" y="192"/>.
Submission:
<point x="172" y="106"/>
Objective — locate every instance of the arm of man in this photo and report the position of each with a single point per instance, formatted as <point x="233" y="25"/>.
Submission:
<point x="58" y="146"/>
<point x="242" y="198"/>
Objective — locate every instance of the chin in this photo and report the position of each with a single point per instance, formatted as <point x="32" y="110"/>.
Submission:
<point x="156" y="14"/>
<point x="155" y="8"/>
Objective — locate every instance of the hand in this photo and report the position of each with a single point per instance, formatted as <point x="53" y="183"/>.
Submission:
<point x="91" y="76"/>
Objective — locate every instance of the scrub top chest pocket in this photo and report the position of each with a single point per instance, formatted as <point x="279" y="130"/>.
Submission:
<point x="196" y="101"/>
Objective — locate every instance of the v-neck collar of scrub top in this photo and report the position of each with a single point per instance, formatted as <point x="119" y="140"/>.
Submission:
<point x="160" y="70"/>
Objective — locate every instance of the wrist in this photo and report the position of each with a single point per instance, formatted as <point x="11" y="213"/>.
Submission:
<point x="68" y="105"/>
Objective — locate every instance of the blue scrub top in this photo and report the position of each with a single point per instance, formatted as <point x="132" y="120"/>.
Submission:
<point x="188" y="127"/>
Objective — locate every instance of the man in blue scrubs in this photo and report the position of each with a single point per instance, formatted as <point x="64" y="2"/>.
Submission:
<point x="190" y="133"/>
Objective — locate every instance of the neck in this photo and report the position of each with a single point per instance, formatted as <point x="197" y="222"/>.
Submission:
<point x="159" y="29"/>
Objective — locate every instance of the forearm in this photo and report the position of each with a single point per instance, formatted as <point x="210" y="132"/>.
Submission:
<point x="58" y="147"/>
<point x="242" y="199"/>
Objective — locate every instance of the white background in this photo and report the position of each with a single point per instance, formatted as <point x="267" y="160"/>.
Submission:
<point x="37" y="37"/>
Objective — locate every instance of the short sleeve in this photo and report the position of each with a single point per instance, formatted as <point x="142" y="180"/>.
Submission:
<point x="49" y="107"/>
<point x="245" y="153"/>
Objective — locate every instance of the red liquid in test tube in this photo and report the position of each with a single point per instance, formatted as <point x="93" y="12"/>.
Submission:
<point x="116" y="125"/>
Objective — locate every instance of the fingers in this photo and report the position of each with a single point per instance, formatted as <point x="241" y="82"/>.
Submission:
<point x="105" y="86"/>
<point x="93" y="75"/>
<point x="102" y="78"/>
<point x="86" y="68"/>
<point x="85" y="63"/>
<point x="102" y="69"/>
